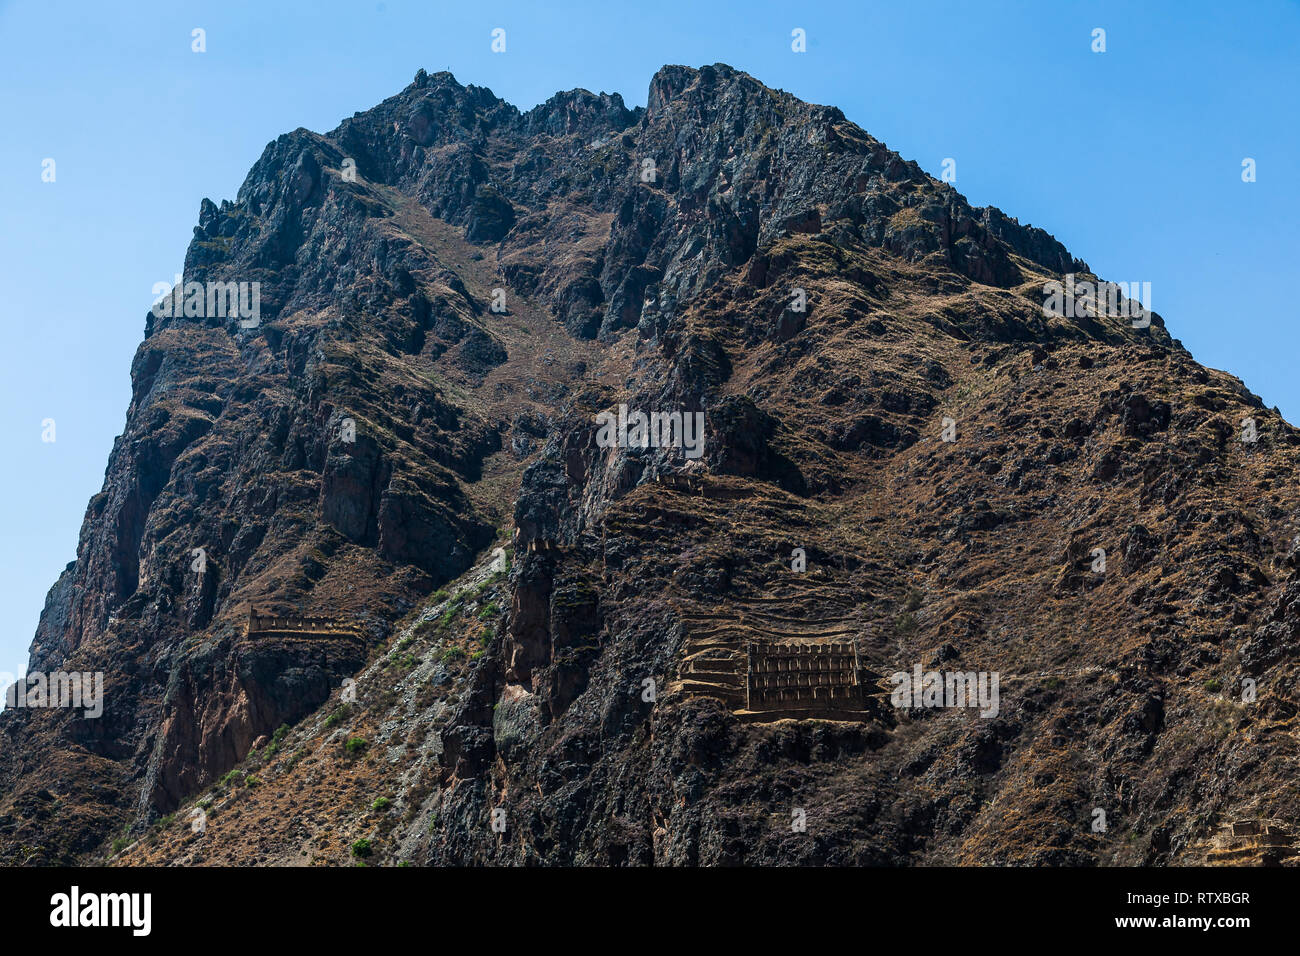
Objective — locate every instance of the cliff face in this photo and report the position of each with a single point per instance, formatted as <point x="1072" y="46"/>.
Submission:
<point x="450" y="292"/>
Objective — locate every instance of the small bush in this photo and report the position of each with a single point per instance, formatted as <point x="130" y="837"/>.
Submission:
<point x="276" y="739"/>
<point x="449" y="615"/>
<point x="361" y="848"/>
<point x="355" y="745"/>
<point x="342" y="713"/>
<point x="381" y="804"/>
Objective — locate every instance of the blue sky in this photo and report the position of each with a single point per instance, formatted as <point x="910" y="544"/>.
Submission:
<point x="1131" y="157"/>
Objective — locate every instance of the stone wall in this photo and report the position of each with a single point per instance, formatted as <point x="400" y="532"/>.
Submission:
<point x="1251" y="842"/>
<point x="803" y="676"/>
<point x="273" y="624"/>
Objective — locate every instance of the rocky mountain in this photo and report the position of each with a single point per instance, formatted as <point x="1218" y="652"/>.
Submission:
<point x="534" y="646"/>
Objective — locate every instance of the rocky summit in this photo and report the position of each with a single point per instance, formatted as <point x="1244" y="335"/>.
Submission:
<point x="689" y="485"/>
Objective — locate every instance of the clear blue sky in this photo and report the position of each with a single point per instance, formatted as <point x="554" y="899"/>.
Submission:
<point x="1131" y="157"/>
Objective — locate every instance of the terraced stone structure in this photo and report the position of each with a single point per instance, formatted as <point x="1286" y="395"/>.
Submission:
<point x="803" y="678"/>
<point x="791" y="653"/>
<point x="266" y="625"/>
<point x="1252" y="843"/>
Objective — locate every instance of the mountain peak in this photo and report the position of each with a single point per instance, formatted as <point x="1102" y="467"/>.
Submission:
<point x="562" y="438"/>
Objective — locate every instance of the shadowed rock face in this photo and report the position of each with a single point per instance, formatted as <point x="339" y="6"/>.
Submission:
<point x="450" y="291"/>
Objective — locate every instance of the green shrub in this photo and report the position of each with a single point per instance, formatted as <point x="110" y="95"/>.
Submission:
<point x="361" y="848"/>
<point x="450" y="613"/>
<point x="356" y="744"/>
<point x="381" y="804"/>
<point x="342" y="713"/>
<point x="276" y="739"/>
